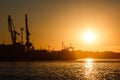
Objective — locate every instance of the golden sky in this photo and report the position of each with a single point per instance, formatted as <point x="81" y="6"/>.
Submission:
<point x="52" y="22"/>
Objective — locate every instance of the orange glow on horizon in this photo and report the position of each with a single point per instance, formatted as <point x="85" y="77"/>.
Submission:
<point x="88" y="25"/>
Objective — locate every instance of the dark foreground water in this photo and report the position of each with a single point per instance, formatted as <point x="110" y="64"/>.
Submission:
<point x="60" y="70"/>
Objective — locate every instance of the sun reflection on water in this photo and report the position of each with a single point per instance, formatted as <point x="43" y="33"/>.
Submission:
<point x="89" y="69"/>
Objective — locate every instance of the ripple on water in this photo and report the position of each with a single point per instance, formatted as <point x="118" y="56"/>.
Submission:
<point x="59" y="71"/>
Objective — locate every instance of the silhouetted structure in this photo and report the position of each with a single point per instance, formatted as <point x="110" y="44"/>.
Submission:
<point x="22" y="34"/>
<point x="15" y="46"/>
<point x="28" y="43"/>
<point x="25" y="52"/>
<point x="12" y="30"/>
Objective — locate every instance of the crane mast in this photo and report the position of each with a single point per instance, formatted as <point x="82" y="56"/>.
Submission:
<point x="12" y="30"/>
<point x="22" y="34"/>
<point x="28" y="43"/>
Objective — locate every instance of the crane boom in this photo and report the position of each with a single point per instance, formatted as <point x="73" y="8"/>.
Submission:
<point x="12" y="29"/>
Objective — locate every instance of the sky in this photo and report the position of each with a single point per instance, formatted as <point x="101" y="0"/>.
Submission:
<point x="52" y="22"/>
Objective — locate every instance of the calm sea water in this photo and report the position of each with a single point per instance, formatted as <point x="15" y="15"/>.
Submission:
<point x="60" y="70"/>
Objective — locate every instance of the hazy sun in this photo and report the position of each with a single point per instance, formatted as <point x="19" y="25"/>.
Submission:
<point x="88" y="60"/>
<point x="88" y="36"/>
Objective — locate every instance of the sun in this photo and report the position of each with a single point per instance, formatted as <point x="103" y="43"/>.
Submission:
<point x="89" y="60"/>
<point x="88" y="36"/>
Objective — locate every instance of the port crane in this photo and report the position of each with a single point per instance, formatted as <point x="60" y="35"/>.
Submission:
<point x="14" y="34"/>
<point x="12" y="30"/>
<point x="28" y="43"/>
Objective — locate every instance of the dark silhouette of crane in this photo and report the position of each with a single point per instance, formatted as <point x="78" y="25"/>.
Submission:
<point x="12" y="30"/>
<point x="28" y="43"/>
<point x="22" y="34"/>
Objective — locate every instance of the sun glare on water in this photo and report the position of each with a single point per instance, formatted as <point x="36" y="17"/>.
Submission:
<point x="89" y="69"/>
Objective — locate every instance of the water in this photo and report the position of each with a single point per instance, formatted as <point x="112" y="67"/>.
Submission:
<point x="60" y="70"/>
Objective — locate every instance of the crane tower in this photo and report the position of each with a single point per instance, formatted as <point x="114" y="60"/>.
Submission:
<point x="28" y="43"/>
